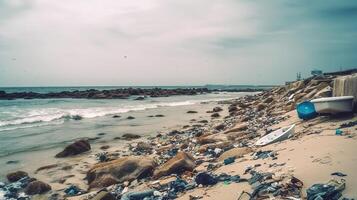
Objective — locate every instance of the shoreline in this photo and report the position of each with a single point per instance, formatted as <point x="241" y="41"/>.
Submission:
<point x="121" y="93"/>
<point x="222" y="151"/>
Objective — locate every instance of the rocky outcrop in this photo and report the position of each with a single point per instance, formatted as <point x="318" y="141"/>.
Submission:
<point x="104" y="195"/>
<point x="77" y="147"/>
<point x="15" y="176"/>
<point x="180" y="163"/>
<point x="37" y="187"/>
<point x="119" y="170"/>
<point x="106" y="94"/>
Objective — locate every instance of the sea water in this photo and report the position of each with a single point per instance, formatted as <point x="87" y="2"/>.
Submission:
<point x="42" y="127"/>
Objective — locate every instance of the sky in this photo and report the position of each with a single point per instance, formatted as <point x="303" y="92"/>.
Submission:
<point x="173" y="42"/>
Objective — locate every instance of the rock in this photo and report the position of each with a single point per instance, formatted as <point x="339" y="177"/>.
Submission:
<point x="176" y="165"/>
<point x="217" y="109"/>
<point x="159" y="115"/>
<point x="37" y="187"/>
<point x="104" y="195"/>
<point x="191" y="112"/>
<point x="120" y="170"/>
<point x="144" y="147"/>
<point x="77" y="147"/>
<point x="174" y="132"/>
<point x="203" y="121"/>
<point x="215" y="115"/>
<point x="130" y="117"/>
<point x="15" y="176"/>
<point x="115" y="116"/>
<point x="235" y="152"/>
<point x="268" y="100"/>
<point x="232" y="108"/>
<point x="220" y="127"/>
<point x="261" y="106"/>
<point x="213" y="138"/>
<point x="238" y="127"/>
<point x="139" y="98"/>
<point x="130" y="136"/>
<point x="325" y="92"/>
<point x="46" y="167"/>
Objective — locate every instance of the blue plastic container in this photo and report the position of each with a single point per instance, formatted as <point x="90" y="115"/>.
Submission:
<point x="306" y="110"/>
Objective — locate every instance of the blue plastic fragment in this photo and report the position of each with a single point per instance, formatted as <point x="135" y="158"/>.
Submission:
<point x="306" y="110"/>
<point x="229" y="160"/>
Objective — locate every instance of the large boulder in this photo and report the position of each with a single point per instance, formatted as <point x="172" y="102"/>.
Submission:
<point x="176" y="165"/>
<point x="235" y="152"/>
<point x="120" y="170"/>
<point x="77" y="147"/>
<point x="15" y="176"/>
<point x="37" y="187"/>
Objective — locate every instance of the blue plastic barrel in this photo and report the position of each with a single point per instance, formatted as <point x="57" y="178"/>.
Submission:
<point x="306" y="110"/>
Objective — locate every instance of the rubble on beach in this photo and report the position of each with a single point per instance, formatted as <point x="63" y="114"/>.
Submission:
<point x="177" y="162"/>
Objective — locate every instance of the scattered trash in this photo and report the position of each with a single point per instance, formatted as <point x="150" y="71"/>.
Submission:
<point x="306" y="110"/>
<point x="137" y="195"/>
<point x="276" y="136"/>
<point x="339" y="132"/>
<point x="205" y="179"/>
<point x="102" y="156"/>
<point x="349" y="124"/>
<point x="229" y="160"/>
<point x="332" y="190"/>
<point x="338" y="174"/>
<point x="72" y="190"/>
<point x="263" y="154"/>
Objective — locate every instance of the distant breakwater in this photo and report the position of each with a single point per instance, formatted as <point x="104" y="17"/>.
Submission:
<point x="123" y="93"/>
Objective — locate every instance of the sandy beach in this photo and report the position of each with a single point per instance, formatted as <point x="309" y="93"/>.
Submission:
<point x="215" y="141"/>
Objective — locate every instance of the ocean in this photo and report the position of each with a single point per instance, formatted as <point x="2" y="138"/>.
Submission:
<point x="41" y="127"/>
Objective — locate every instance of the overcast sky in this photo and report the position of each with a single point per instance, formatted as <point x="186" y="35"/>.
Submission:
<point x="172" y="42"/>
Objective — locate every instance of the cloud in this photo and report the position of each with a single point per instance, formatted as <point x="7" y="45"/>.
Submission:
<point x="167" y="42"/>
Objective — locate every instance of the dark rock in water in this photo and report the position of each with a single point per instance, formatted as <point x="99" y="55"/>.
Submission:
<point x="100" y="134"/>
<point x="139" y="98"/>
<point x="215" y="115"/>
<point x="203" y="121"/>
<point x="15" y="176"/>
<point x="159" y="115"/>
<point x="191" y="112"/>
<point x="77" y="117"/>
<point x="10" y="162"/>
<point x="37" y="187"/>
<point x="130" y="117"/>
<point x="77" y="147"/>
<point x="104" y="195"/>
<point x="151" y="116"/>
<point x="217" y="109"/>
<point x="116" y="116"/>
<point x="130" y="136"/>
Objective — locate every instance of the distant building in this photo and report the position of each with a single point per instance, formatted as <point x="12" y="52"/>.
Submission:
<point x="316" y="72"/>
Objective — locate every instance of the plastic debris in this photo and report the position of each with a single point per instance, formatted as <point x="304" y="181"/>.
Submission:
<point x="332" y="190"/>
<point x="229" y="160"/>
<point x="137" y="195"/>
<point x="306" y="110"/>
<point x="349" y="124"/>
<point x="72" y="190"/>
<point x="338" y="174"/>
<point x="339" y="132"/>
<point x="205" y="179"/>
